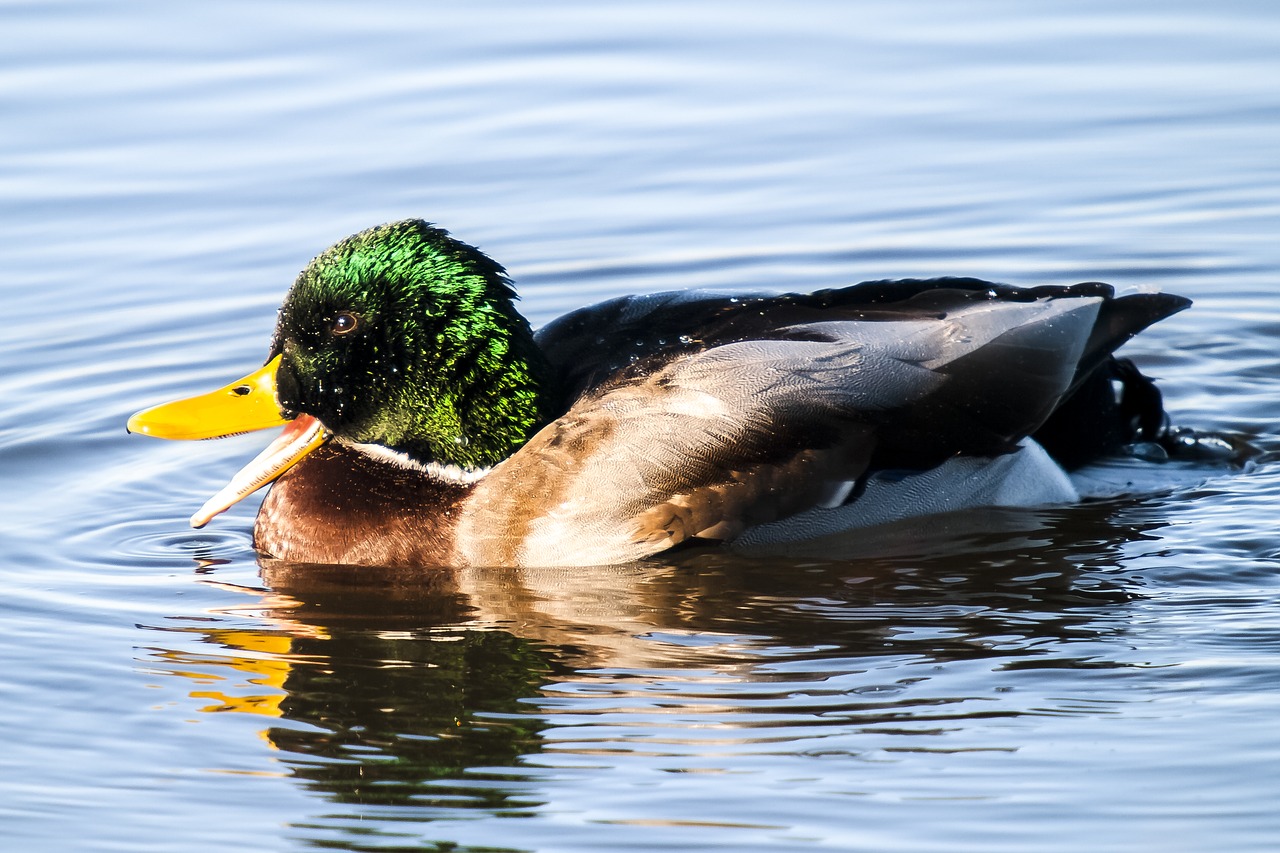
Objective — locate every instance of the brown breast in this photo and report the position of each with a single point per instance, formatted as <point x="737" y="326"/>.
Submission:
<point x="340" y="505"/>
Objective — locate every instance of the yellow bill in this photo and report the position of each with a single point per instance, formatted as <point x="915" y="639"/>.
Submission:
<point x="244" y="405"/>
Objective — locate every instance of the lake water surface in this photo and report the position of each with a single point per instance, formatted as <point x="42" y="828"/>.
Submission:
<point x="1103" y="677"/>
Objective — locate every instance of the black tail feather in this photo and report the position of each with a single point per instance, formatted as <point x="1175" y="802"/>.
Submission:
<point x="1111" y="408"/>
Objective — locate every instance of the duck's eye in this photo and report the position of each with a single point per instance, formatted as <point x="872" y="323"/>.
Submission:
<point x="344" y="323"/>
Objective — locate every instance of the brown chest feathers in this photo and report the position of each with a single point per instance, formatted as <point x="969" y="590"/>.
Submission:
<point x="340" y="505"/>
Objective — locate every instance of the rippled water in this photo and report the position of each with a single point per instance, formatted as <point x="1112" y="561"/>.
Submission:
<point x="1100" y="677"/>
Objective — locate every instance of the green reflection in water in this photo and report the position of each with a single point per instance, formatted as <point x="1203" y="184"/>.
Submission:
<point x="412" y="698"/>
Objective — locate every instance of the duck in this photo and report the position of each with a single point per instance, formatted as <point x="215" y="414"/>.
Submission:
<point x="425" y="423"/>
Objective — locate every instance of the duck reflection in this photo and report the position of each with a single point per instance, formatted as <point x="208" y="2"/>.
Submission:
<point x="427" y="687"/>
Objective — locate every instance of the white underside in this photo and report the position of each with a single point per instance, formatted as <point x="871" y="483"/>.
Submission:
<point x="1026" y="478"/>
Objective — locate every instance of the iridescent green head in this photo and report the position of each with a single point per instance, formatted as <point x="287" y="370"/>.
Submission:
<point x="405" y="337"/>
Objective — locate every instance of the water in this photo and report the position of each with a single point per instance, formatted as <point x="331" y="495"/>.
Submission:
<point x="1101" y="677"/>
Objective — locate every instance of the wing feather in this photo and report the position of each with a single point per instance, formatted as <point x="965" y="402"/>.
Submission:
<point x="712" y="441"/>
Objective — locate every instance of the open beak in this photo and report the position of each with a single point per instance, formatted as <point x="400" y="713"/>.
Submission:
<point x="244" y="405"/>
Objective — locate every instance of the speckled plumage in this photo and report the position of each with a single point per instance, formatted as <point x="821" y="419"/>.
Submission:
<point x="439" y="364"/>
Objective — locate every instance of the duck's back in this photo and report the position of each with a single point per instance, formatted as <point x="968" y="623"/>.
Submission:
<point x="702" y="415"/>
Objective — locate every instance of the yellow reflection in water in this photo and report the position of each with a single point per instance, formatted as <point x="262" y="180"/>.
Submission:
<point x="269" y="668"/>
<point x="266" y="665"/>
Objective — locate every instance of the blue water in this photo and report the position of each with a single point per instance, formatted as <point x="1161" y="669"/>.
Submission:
<point x="1101" y="677"/>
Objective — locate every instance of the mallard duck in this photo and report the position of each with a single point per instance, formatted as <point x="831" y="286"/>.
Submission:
<point x="426" y="424"/>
